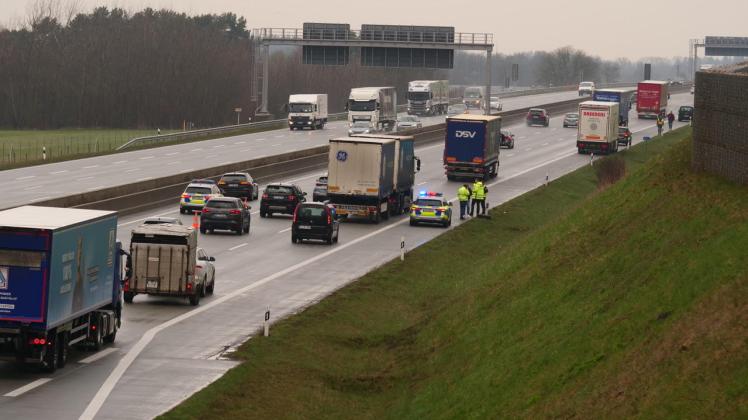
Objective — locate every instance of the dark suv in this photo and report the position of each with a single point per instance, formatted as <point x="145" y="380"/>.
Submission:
<point x="538" y="116"/>
<point x="315" y="221"/>
<point x="280" y="198"/>
<point x="239" y="184"/>
<point x="229" y="213"/>
<point x="685" y="113"/>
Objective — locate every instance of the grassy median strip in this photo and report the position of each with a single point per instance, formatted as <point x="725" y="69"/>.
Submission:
<point x="574" y="300"/>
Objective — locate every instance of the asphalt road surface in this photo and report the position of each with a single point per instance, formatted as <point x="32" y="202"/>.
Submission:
<point x="168" y="350"/>
<point x="43" y="182"/>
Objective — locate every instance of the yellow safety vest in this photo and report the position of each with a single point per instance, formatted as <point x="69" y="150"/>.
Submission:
<point x="463" y="194"/>
<point x="478" y="192"/>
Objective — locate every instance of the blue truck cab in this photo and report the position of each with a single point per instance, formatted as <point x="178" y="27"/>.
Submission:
<point x="472" y="146"/>
<point x="60" y="282"/>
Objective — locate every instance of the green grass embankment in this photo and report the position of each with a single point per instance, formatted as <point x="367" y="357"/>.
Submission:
<point x="572" y="301"/>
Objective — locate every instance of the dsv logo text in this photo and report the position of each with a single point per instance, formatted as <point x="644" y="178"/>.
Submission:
<point x="463" y="134"/>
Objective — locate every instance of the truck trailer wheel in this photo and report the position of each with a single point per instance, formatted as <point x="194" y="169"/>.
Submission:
<point x="128" y="296"/>
<point x="52" y="355"/>
<point x="110" y="338"/>
<point x="195" y="299"/>
<point x="64" y="348"/>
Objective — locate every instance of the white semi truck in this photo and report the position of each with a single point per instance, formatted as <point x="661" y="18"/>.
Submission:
<point x="598" y="127"/>
<point x="375" y="105"/>
<point x="307" y="111"/>
<point x="428" y="97"/>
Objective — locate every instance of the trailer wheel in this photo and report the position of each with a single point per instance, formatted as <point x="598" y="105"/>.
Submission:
<point x="52" y="355"/>
<point x="64" y="348"/>
<point x="129" y="296"/>
<point x="110" y="338"/>
<point x="98" y="338"/>
<point x="195" y="299"/>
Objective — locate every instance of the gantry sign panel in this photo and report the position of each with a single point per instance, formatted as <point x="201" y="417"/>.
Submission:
<point x="726" y="46"/>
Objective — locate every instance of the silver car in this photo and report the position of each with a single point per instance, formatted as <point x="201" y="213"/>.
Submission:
<point x="361" y="127"/>
<point x="408" y="121"/>
<point x="456" y="109"/>
<point x="571" y="120"/>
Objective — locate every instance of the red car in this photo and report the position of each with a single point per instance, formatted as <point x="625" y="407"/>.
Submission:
<point x="507" y="139"/>
<point x="538" y="116"/>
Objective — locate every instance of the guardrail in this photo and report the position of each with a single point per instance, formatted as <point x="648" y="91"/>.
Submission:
<point x="373" y="35"/>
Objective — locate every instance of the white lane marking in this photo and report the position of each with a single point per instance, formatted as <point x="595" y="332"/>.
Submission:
<point x="544" y="144"/>
<point x="239" y="246"/>
<point x="528" y="149"/>
<point x="422" y="183"/>
<point x="100" y="355"/>
<point x="172" y="153"/>
<point x="246" y="150"/>
<point x="510" y="155"/>
<point x="140" y="220"/>
<point x="119" y="162"/>
<point x="274" y="145"/>
<point x="98" y="187"/>
<point x="144" y="179"/>
<point x="32" y="188"/>
<point x="225" y="163"/>
<point x="146" y="157"/>
<point x="173" y="163"/>
<point x="25" y="177"/>
<point x="26" y="388"/>
<point x="210" y="156"/>
<point x="91" y="167"/>
<point x="132" y="170"/>
<point x="240" y="142"/>
<point x="46" y="197"/>
<point x="218" y="146"/>
<point x="124" y="363"/>
<point x="280" y="136"/>
<point x="84" y="178"/>
<point x="260" y="156"/>
<point x="196" y="150"/>
<point x="260" y="139"/>
<point x="57" y="172"/>
<point x="186" y="170"/>
<point x="285" y="230"/>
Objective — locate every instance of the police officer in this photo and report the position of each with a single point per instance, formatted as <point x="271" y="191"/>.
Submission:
<point x="479" y="197"/>
<point x="463" y="194"/>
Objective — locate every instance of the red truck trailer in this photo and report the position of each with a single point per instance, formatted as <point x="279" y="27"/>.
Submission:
<point x="651" y="99"/>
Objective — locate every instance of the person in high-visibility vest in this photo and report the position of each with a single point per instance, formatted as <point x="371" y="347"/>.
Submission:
<point x="660" y="124"/>
<point x="479" y="197"/>
<point x="463" y="195"/>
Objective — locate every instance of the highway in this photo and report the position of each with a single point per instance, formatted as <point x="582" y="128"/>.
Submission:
<point x="167" y="349"/>
<point x="43" y="182"/>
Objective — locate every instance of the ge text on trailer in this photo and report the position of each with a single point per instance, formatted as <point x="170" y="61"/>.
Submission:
<point x="60" y="282"/>
<point x="428" y="97"/>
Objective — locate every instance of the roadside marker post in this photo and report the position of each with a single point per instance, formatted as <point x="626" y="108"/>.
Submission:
<point x="646" y="140"/>
<point x="547" y="175"/>
<point x="267" y="321"/>
<point x="402" y="248"/>
<point x="44" y="152"/>
<point x="592" y="157"/>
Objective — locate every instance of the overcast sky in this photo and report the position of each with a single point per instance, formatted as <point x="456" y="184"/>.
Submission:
<point x="607" y="28"/>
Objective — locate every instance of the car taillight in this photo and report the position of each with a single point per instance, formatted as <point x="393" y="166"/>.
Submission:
<point x="244" y="183"/>
<point x="296" y="214"/>
<point x="292" y="197"/>
<point x="329" y="218"/>
<point x="235" y="212"/>
<point x="221" y="182"/>
<point x="186" y="196"/>
<point x="206" y="198"/>
<point x="206" y="210"/>
<point x="265" y="196"/>
<point x="189" y="286"/>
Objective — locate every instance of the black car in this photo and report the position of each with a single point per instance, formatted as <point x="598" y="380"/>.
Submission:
<point x="239" y="184"/>
<point x="320" y="193"/>
<point x="228" y="213"/>
<point x="685" y="113"/>
<point x="280" y="198"/>
<point x="624" y="136"/>
<point x="315" y="221"/>
<point x="538" y="116"/>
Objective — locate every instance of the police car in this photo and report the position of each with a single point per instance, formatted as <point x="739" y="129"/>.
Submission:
<point x="431" y="207"/>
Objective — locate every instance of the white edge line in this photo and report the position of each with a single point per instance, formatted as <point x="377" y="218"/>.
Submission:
<point x="100" y="355"/>
<point x="238" y="246"/>
<point x="124" y="363"/>
<point x="26" y="388"/>
<point x="285" y="230"/>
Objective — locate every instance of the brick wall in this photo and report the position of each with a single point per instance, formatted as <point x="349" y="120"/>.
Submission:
<point x="720" y="126"/>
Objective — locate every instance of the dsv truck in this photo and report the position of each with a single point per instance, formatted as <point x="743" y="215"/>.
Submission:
<point x="307" y="111"/>
<point x="598" y="127"/>
<point x="60" y="283"/>
<point x="371" y="176"/>
<point x="428" y="97"/>
<point x="375" y="105"/>
<point x="472" y="146"/>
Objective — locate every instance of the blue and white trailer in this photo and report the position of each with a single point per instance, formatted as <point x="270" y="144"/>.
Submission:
<point x="620" y="96"/>
<point x="60" y="282"/>
<point x="471" y="147"/>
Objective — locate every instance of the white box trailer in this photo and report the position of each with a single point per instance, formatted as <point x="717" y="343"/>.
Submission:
<point x="598" y="127"/>
<point x="428" y="97"/>
<point x="307" y="111"/>
<point x="375" y="105"/>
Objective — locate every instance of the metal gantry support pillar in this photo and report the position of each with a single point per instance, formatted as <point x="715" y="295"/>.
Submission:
<point x="265" y="77"/>
<point x="694" y="45"/>
<point x="489" y="60"/>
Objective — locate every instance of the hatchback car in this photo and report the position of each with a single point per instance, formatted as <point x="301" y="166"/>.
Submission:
<point x="431" y="207"/>
<point x="195" y="195"/>
<point x="495" y="103"/>
<point x="571" y="120"/>
<point x="204" y="268"/>
<point x="507" y="139"/>
<point x="239" y="184"/>
<point x="408" y="121"/>
<point x="315" y="221"/>
<point x="685" y="113"/>
<point x="538" y="116"/>
<point x="225" y="213"/>
<point x="280" y="198"/>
